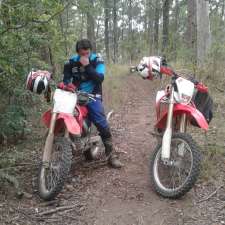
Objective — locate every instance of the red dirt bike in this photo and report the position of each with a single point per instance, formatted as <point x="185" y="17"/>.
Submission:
<point x="176" y="161"/>
<point x="69" y="131"/>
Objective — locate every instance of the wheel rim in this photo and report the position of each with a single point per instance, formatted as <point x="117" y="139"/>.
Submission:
<point x="51" y="172"/>
<point x="171" y="178"/>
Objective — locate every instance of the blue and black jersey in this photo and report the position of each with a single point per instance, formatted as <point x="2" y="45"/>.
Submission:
<point x="89" y="78"/>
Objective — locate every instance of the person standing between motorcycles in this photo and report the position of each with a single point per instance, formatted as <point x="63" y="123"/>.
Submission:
<point x="86" y="70"/>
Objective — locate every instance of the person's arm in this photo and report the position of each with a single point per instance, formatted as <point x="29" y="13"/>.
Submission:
<point x="96" y="74"/>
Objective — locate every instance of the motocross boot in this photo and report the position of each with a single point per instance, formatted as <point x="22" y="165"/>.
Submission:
<point x="113" y="159"/>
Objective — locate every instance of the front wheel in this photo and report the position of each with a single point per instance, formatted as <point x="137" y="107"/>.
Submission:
<point x="174" y="178"/>
<point x="53" y="174"/>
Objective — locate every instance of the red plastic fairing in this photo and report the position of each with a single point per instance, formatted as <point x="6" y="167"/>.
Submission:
<point x="187" y="109"/>
<point x="166" y="70"/>
<point x="63" y="119"/>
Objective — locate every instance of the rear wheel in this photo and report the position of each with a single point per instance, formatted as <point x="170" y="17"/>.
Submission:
<point x="53" y="174"/>
<point x="176" y="177"/>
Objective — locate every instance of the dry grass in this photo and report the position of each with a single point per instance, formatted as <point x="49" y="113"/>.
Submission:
<point x="213" y="142"/>
<point x="115" y="79"/>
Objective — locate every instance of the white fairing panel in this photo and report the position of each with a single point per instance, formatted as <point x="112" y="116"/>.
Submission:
<point x="185" y="90"/>
<point x="159" y="95"/>
<point x="64" y="101"/>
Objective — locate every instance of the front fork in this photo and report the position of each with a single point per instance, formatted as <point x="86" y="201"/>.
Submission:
<point x="166" y="141"/>
<point x="49" y="140"/>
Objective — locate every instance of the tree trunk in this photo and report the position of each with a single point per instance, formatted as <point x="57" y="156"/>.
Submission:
<point x="222" y="11"/>
<point x="156" y="28"/>
<point x="176" y="27"/>
<point x="130" y="29"/>
<point x="165" y="38"/>
<point x="150" y="26"/>
<point x="115" y="48"/>
<point x="81" y="35"/>
<point x="91" y="25"/>
<point x="63" y="34"/>
<point x="146" y="18"/>
<point x="106" y="11"/>
<point x="52" y="61"/>
<point x="203" y="30"/>
<point x="191" y="35"/>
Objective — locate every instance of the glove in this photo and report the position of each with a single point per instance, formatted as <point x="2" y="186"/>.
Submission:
<point x="70" y="87"/>
<point x="67" y="87"/>
<point x="61" y="85"/>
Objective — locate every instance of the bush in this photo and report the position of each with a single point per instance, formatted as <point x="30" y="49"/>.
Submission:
<point x="12" y="123"/>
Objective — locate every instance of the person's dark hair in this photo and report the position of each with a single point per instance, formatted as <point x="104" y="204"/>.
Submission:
<point x="83" y="44"/>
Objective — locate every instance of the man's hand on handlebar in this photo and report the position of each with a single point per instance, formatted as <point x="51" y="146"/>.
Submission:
<point x="67" y="87"/>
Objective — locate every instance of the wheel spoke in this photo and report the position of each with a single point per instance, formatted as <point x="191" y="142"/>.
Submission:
<point x="174" y="176"/>
<point x="52" y="173"/>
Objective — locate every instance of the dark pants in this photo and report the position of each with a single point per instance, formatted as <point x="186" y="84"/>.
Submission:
<point x="98" y="118"/>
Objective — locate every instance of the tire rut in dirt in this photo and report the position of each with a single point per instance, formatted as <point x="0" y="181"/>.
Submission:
<point x="64" y="170"/>
<point x="193" y="175"/>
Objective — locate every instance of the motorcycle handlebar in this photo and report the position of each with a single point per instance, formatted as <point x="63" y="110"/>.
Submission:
<point x="169" y="72"/>
<point x="200" y="86"/>
<point x="91" y="96"/>
<point x="72" y="88"/>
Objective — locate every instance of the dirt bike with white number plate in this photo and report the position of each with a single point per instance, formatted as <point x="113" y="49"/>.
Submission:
<point x="176" y="161"/>
<point x="69" y="131"/>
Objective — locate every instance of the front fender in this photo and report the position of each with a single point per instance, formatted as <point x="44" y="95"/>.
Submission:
<point x="191" y="111"/>
<point x="63" y="119"/>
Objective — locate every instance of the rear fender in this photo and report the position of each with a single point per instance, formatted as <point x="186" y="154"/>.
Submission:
<point x="63" y="120"/>
<point x="192" y="113"/>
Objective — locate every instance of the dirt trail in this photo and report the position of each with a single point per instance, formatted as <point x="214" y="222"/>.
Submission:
<point x="125" y="197"/>
<point x="106" y="196"/>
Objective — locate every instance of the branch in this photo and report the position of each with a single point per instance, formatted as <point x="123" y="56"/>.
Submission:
<point x="14" y="28"/>
<point x="219" y="89"/>
<point x="57" y="210"/>
<point x="52" y="16"/>
<point x="35" y="21"/>
<point x="211" y="195"/>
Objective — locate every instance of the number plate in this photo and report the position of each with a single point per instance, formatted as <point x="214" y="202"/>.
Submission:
<point x="64" y="101"/>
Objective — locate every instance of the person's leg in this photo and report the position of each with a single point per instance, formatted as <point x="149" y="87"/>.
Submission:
<point x="97" y="116"/>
